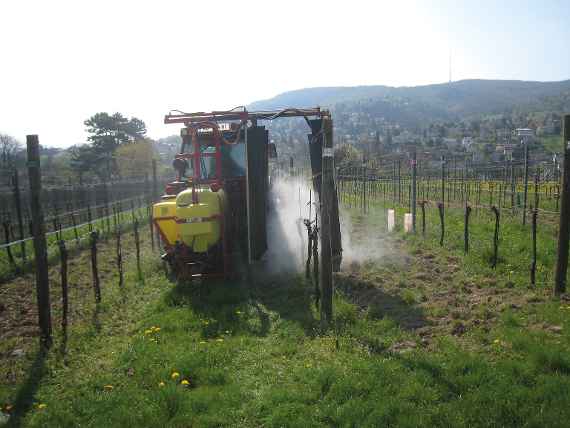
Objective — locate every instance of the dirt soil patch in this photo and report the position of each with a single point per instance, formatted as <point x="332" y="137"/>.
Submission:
<point x="18" y="309"/>
<point x="428" y="293"/>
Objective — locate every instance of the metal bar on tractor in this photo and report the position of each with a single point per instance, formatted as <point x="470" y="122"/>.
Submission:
<point x="241" y="115"/>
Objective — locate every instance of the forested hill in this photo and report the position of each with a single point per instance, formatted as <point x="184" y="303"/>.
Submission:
<point x="447" y="101"/>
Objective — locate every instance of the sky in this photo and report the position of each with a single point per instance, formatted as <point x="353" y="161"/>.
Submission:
<point x="63" y="61"/>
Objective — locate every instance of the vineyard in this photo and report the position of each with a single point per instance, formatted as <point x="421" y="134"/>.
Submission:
<point x="284" y="215"/>
<point x="444" y="319"/>
<point x="503" y="217"/>
<point x="71" y="213"/>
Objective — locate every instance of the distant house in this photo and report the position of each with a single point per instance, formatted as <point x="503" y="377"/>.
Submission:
<point x="467" y="142"/>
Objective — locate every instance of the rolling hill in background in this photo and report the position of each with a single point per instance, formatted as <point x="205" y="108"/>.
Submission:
<point x="411" y="106"/>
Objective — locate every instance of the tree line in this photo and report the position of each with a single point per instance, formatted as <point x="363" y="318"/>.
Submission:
<point x="117" y="147"/>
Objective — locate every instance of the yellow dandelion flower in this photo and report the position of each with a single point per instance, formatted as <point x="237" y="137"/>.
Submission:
<point x="175" y="375"/>
<point x="185" y="382"/>
<point x="147" y="331"/>
<point x="157" y="329"/>
<point x="219" y="340"/>
<point x="108" y="387"/>
<point x="238" y="312"/>
<point x="202" y="342"/>
<point x="496" y="341"/>
<point x="160" y="384"/>
<point x="227" y="332"/>
<point x="42" y="406"/>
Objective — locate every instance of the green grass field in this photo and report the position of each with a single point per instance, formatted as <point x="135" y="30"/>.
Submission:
<point x="422" y="336"/>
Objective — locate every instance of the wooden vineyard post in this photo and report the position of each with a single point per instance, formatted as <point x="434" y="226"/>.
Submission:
<point x="536" y="201"/>
<point x="64" y="286"/>
<point x="414" y="189"/>
<point x="442" y="209"/>
<point x="513" y="187"/>
<point x="6" y="226"/>
<point x="18" y="205"/>
<point x="119" y="256"/>
<point x="155" y="198"/>
<point x="564" y="224"/>
<point x="89" y="217"/>
<point x="94" y="270"/>
<point x="442" y="221"/>
<point x="466" y="228"/>
<point x="56" y="226"/>
<point x="151" y="227"/>
<point x="533" y="263"/>
<point x="327" y="189"/>
<point x="495" y="237"/>
<point x="138" y="249"/>
<point x="74" y="224"/>
<point x="40" y="247"/>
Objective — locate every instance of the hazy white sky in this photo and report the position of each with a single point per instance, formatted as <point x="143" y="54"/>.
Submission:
<point x="62" y="61"/>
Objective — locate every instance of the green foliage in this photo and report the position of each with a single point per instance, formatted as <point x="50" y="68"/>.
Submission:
<point x="9" y="148"/>
<point x="82" y="160"/>
<point x="107" y="133"/>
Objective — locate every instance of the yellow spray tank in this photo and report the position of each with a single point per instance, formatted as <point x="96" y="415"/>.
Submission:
<point x="164" y="217"/>
<point x="196" y="224"/>
<point x="200" y="221"/>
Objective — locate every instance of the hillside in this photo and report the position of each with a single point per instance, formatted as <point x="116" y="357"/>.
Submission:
<point x="447" y="101"/>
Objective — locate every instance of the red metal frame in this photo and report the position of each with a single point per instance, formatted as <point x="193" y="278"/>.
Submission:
<point x="205" y="121"/>
<point x="197" y="154"/>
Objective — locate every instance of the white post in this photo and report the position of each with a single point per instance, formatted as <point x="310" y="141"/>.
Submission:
<point x="391" y="220"/>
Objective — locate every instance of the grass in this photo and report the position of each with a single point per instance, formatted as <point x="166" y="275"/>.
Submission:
<point x="254" y="353"/>
<point x="515" y="240"/>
